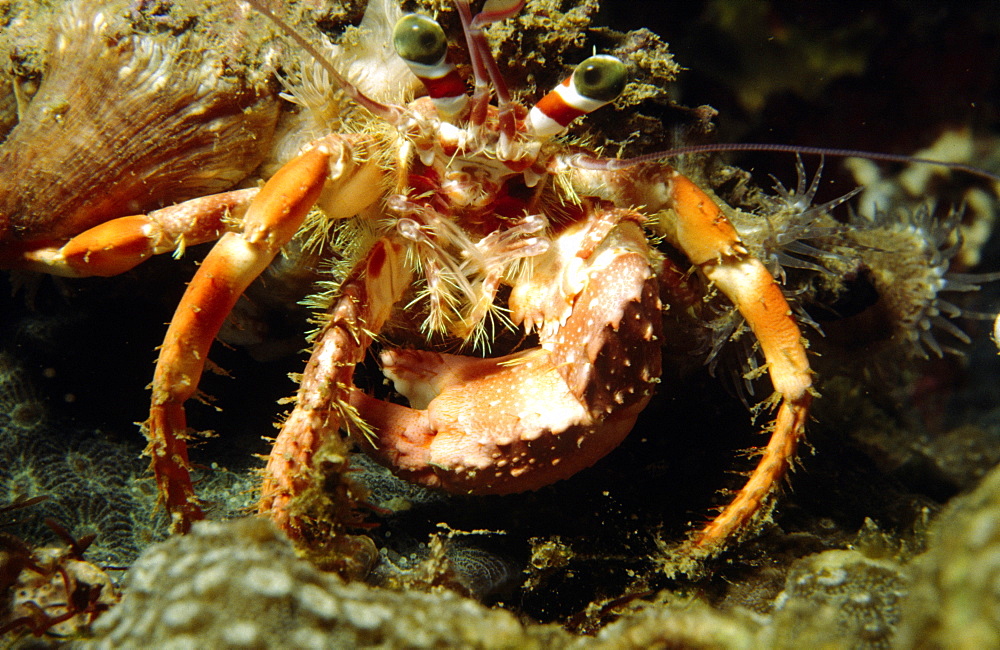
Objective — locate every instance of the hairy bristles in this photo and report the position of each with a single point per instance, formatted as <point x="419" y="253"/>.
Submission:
<point x="461" y="277"/>
<point x="388" y="112"/>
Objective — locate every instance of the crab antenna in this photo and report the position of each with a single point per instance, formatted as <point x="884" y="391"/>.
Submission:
<point x="387" y="112"/>
<point x="592" y="162"/>
<point x="481" y="94"/>
<point x="483" y="64"/>
<point x="495" y="10"/>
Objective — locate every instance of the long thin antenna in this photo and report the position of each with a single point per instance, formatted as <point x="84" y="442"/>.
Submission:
<point x="592" y="162"/>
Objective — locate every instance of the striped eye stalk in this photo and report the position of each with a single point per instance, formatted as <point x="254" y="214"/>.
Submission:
<point x="422" y="44"/>
<point x="595" y="82"/>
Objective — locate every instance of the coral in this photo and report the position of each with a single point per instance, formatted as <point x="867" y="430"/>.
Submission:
<point x="444" y="562"/>
<point x="687" y="625"/>
<point x="964" y="455"/>
<point x="86" y="480"/>
<point x="389" y="491"/>
<point x="21" y="408"/>
<point x="240" y="584"/>
<point x="50" y="591"/>
<point x="916" y="182"/>
<point x="455" y="559"/>
<point x="92" y="485"/>
<point x="884" y="277"/>
<point x="838" y="599"/>
<point x="955" y="594"/>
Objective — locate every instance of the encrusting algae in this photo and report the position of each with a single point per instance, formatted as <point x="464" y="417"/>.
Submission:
<point x="240" y="584"/>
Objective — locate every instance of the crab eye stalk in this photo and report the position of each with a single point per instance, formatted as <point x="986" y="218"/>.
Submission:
<point x="419" y="39"/>
<point x="422" y="44"/>
<point x="595" y="82"/>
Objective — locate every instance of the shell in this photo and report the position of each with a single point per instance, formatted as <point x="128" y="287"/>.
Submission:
<point x="125" y="122"/>
<point x="8" y="106"/>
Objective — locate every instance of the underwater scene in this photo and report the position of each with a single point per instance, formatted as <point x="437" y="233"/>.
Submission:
<point x="459" y="323"/>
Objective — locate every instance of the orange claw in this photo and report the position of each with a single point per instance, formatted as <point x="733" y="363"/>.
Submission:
<point x="526" y="420"/>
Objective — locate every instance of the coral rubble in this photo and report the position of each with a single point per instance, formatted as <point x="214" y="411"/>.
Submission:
<point x="240" y="584"/>
<point x="955" y="592"/>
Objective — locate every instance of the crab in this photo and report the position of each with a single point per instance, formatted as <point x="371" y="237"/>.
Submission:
<point x="465" y="215"/>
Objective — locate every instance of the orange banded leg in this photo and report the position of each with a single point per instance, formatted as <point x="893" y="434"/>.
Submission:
<point x="322" y="402"/>
<point x="710" y="241"/>
<point x="120" y="244"/>
<point x="234" y="262"/>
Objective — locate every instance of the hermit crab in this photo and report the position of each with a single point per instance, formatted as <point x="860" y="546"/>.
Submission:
<point x="458" y="215"/>
<point x="474" y="214"/>
<point x="464" y="197"/>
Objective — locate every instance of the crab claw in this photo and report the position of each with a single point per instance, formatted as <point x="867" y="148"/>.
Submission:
<point x="495" y="426"/>
<point x="528" y="419"/>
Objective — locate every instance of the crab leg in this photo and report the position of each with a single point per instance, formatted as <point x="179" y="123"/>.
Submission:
<point x="237" y="258"/>
<point x="321" y="405"/>
<point x="118" y="245"/>
<point x="692" y="222"/>
<point x="710" y="241"/>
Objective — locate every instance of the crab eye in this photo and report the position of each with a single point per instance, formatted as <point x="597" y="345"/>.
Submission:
<point x="419" y="39"/>
<point x="601" y="77"/>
